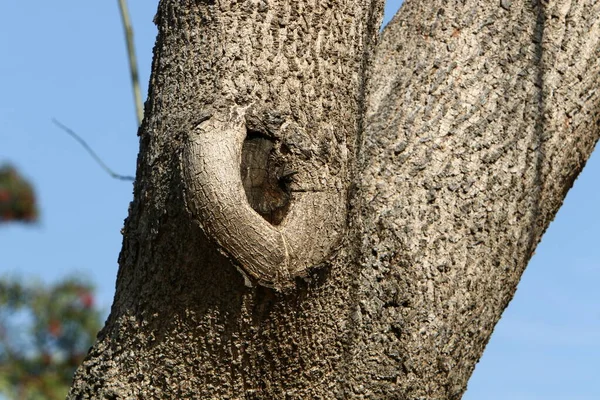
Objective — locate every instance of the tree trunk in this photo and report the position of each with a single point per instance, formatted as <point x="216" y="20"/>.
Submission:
<point x="303" y="228"/>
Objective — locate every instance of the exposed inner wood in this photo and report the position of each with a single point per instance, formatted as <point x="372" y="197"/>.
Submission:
<point x="265" y="177"/>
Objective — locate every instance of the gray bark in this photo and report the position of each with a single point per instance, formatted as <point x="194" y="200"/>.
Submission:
<point x="300" y="230"/>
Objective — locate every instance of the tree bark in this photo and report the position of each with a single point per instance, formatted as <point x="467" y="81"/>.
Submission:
<point x="306" y="227"/>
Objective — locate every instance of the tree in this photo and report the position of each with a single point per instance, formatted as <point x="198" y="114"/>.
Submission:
<point x="321" y="214"/>
<point x="44" y="334"/>
<point x="17" y="199"/>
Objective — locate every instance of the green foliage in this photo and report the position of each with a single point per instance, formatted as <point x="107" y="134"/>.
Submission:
<point x="17" y="200"/>
<point x="45" y="332"/>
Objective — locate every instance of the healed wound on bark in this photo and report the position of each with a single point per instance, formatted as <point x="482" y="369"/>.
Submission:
<point x="257" y="192"/>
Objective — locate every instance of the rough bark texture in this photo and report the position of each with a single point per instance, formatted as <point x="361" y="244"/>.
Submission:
<point x="479" y="117"/>
<point x="290" y="76"/>
<point x="482" y="117"/>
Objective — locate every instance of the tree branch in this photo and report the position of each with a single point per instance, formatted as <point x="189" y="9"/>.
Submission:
<point x="481" y="116"/>
<point x="135" y="80"/>
<point x="92" y="153"/>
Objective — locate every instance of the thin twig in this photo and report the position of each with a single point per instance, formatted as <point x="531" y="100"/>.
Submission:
<point x="92" y="152"/>
<point x="135" y="80"/>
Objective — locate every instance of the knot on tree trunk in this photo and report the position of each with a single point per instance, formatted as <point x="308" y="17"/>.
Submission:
<point x="263" y="189"/>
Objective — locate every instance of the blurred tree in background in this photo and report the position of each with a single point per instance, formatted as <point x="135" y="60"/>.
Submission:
<point x="47" y="329"/>
<point x="17" y="199"/>
<point x="45" y="332"/>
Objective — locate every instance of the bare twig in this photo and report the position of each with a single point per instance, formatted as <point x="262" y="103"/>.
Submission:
<point x="92" y="152"/>
<point x="135" y="80"/>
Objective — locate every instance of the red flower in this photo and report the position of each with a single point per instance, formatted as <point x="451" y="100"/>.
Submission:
<point x="54" y="328"/>
<point x="87" y="300"/>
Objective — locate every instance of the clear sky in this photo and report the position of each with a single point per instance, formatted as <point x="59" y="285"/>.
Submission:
<point x="66" y="59"/>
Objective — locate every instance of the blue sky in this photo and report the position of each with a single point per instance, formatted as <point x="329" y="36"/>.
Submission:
<point x="66" y="59"/>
